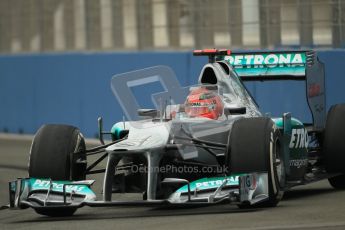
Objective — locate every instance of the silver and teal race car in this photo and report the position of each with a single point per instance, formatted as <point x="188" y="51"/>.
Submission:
<point x="203" y="145"/>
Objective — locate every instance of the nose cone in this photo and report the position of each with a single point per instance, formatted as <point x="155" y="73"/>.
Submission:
<point x="143" y="136"/>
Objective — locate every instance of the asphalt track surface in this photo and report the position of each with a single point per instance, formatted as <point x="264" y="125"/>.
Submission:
<point x="316" y="206"/>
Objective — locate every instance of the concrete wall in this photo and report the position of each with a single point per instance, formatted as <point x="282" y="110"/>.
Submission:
<point x="75" y="88"/>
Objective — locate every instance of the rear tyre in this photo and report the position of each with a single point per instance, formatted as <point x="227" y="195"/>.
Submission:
<point x="51" y="154"/>
<point x="334" y="145"/>
<point x="338" y="182"/>
<point x="255" y="145"/>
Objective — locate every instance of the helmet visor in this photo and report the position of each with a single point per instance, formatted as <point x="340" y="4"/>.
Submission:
<point x="196" y="109"/>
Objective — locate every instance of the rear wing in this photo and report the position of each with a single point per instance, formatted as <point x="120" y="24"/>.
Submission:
<point x="271" y="65"/>
<point x="280" y="65"/>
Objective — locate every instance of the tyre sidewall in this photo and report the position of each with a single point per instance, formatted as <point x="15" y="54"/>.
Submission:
<point x="251" y="148"/>
<point x="51" y="153"/>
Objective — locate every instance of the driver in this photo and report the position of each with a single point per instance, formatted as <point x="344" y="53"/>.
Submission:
<point x="202" y="102"/>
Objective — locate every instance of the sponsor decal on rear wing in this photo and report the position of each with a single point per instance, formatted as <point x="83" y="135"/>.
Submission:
<point x="270" y="65"/>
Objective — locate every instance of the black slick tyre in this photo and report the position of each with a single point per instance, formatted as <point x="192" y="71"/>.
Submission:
<point x="255" y="145"/>
<point x="334" y="145"/>
<point x="52" y="153"/>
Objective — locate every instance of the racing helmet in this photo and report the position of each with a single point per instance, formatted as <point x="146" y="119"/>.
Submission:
<point x="202" y="102"/>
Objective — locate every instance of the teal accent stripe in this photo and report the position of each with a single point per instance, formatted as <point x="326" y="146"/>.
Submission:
<point x="210" y="183"/>
<point x="268" y="64"/>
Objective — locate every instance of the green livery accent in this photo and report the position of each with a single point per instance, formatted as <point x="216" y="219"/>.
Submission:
<point x="115" y="131"/>
<point x="57" y="186"/>
<point x="294" y="123"/>
<point x="210" y="183"/>
<point x="298" y="139"/>
<point x="268" y="64"/>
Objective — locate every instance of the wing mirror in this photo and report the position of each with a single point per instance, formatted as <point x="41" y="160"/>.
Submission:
<point x="100" y="130"/>
<point x="148" y="113"/>
<point x="234" y="110"/>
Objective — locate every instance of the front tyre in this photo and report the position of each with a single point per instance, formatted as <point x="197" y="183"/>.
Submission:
<point x="255" y="145"/>
<point x="52" y="153"/>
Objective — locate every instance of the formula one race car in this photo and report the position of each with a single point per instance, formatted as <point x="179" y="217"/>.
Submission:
<point x="203" y="145"/>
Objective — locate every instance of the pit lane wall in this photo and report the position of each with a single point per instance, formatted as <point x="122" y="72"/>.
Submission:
<point x="74" y="88"/>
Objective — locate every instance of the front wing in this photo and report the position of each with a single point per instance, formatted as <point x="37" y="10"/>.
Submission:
<point x="45" y="194"/>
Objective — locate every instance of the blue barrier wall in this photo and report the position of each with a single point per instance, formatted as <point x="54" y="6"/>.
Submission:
<point x="75" y="88"/>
